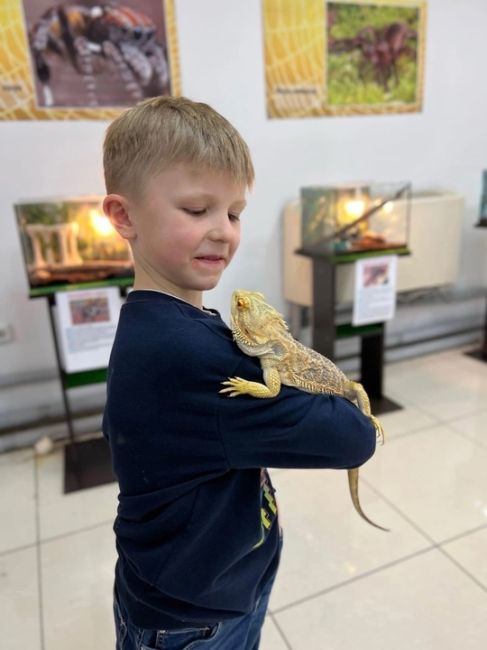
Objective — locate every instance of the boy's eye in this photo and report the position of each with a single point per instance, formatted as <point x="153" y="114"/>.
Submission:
<point x="234" y="217"/>
<point x="195" y="211"/>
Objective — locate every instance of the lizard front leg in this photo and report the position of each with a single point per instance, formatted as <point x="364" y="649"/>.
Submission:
<point x="238" y="386"/>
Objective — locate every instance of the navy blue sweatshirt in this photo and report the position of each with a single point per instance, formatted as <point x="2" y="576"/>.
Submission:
<point x="197" y="532"/>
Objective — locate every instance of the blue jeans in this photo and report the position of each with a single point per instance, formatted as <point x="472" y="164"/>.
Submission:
<point x="241" y="633"/>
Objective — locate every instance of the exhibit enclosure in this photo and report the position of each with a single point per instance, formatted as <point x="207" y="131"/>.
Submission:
<point x="355" y="217"/>
<point x="68" y="243"/>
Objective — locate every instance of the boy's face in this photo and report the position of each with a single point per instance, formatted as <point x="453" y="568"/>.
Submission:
<point x="186" y="230"/>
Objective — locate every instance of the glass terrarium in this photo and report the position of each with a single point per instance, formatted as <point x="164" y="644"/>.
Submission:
<point x="354" y="218"/>
<point x="70" y="241"/>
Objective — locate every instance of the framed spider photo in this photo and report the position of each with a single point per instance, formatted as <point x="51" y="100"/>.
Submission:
<point x="343" y="57"/>
<point x="86" y="59"/>
<point x="374" y="56"/>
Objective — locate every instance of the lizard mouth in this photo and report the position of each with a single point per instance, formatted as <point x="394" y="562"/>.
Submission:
<point x="241" y="337"/>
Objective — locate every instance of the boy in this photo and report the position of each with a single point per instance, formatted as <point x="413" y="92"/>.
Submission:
<point x="197" y="530"/>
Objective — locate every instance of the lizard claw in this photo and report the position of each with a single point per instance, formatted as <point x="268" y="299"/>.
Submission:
<point x="235" y="386"/>
<point x="379" y="431"/>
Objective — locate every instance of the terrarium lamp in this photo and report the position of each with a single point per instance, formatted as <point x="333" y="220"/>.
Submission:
<point x="101" y="224"/>
<point x="351" y="206"/>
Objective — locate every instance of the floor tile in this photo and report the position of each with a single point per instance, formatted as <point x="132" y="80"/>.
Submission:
<point x="61" y="513"/>
<point x="17" y="500"/>
<point x="454" y="401"/>
<point x="462" y="360"/>
<point x="270" y="637"/>
<point x="435" y="477"/>
<point x="473" y="426"/>
<point x="471" y="552"/>
<point x="407" y="419"/>
<point x="425" y="603"/>
<point x="444" y="386"/>
<point x="77" y="582"/>
<point x="19" y="600"/>
<point x="325" y="540"/>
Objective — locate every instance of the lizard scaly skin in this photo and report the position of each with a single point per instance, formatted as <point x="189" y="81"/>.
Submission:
<point x="260" y="331"/>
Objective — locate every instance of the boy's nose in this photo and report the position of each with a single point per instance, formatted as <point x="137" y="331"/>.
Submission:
<point x="221" y="229"/>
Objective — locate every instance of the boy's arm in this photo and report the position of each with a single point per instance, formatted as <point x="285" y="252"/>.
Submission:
<point x="295" y="430"/>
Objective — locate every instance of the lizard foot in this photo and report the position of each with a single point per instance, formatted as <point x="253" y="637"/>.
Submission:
<point x="236" y="386"/>
<point x="379" y="431"/>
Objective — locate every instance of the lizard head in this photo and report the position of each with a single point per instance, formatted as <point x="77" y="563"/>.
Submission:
<point x="254" y="321"/>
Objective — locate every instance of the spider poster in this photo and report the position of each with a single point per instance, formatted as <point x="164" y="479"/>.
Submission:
<point x="343" y="57"/>
<point x="85" y="59"/>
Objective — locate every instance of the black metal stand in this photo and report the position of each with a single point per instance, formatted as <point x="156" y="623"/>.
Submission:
<point x="86" y="463"/>
<point x="481" y="353"/>
<point x="372" y="371"/>
<point x="325" y="332"/>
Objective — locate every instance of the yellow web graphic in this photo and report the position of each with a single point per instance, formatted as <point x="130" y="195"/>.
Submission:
<point x="294" y="37"/>
<point x="17" y="94"/>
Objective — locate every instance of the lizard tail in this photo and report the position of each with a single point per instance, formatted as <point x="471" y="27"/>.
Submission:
<point x="353" y="484"/>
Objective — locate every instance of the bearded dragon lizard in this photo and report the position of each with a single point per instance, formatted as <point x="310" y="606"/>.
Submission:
<point x="260" y="331"/>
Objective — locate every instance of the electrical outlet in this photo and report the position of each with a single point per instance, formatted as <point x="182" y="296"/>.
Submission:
<point x="6" y="334"/>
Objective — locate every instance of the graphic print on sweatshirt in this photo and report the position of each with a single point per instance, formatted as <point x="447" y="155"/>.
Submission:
<point x="268" y="507"/>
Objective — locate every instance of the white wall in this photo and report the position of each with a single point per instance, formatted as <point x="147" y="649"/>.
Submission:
<point x="220" y="43"/>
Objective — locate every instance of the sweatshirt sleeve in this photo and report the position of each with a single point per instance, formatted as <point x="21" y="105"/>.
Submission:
<point x="293" y="430"/>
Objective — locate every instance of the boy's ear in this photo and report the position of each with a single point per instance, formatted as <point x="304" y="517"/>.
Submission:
<point x="115" y="208"/>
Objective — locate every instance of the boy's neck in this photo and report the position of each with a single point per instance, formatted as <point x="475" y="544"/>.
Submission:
<point x="146" y="279"/>
<point x="194" y="298"/>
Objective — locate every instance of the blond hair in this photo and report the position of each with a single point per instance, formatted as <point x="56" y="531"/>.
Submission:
<point x="159" y="132"/>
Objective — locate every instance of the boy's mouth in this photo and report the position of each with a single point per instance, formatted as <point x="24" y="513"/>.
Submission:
<point x="211" y="259"/>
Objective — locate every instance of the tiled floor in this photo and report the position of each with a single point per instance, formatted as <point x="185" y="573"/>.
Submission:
<point x="343" y="585"/>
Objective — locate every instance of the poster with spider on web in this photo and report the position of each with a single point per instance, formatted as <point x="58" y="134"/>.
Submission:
<point x="344" y="57"/>
<point x="85" y="59"/>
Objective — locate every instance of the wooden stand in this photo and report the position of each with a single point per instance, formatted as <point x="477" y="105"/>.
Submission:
<point x="325" y="332"/>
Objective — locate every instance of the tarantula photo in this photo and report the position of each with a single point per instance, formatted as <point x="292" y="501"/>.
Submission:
<point x="381" y="50"/>
<point x="97" y="54"/>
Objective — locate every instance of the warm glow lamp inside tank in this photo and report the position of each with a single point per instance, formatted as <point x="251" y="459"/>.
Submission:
<point x="101" y="224"/>
<point x="350" y="209"/>
<point x="354" y="208"/>
<point x="351" y="205"/>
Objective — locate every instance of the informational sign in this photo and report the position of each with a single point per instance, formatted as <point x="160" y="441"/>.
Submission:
<point x="62" y="60"/>
<point x="375" y="290"/>
<point x="86" y="325"/>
